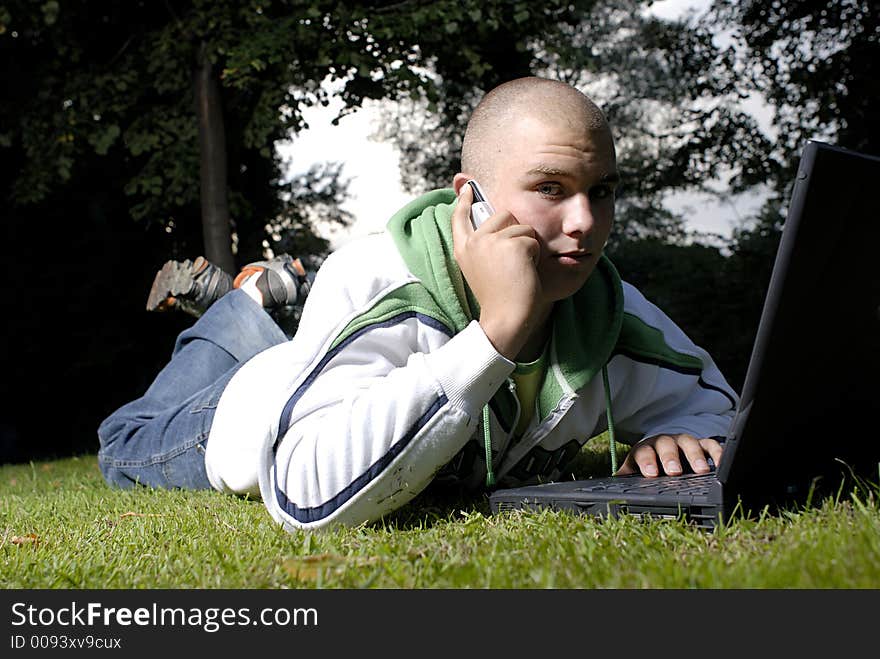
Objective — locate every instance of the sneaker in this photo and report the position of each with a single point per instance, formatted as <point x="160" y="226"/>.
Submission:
<point x="190" y="286"/>
<point x="282" y="281"/>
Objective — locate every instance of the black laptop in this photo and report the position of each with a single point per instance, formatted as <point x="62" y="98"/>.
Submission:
<point x="808" y="416"/>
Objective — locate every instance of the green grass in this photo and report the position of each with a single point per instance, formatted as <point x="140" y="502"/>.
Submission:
<point x="62" y="527"/>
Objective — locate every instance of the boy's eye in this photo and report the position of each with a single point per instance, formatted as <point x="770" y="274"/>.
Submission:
<point x="550" y="189"/>
<point x="600" y="192"/>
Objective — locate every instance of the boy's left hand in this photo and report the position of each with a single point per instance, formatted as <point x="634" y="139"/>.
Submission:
<point x="667" y="451"/>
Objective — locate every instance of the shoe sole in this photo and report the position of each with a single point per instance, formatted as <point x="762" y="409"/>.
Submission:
<point x="172" y="280"/>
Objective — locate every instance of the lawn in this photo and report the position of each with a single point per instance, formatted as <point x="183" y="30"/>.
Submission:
<point x="62" y="527"/>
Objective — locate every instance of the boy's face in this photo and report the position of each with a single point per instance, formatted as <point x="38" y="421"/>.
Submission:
<point x="559" y="178"/>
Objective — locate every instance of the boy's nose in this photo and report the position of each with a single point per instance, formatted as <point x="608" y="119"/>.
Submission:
<point x="578" y="218"/>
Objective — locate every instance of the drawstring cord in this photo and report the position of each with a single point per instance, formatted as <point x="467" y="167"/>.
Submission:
<point x="612" y="445"/>
<point x="487" y="440"/>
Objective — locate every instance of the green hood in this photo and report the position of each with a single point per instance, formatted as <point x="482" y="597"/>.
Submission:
<point x="585" y="326"/>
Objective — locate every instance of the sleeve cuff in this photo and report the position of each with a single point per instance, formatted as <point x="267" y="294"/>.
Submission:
<point x="469" y="369"/>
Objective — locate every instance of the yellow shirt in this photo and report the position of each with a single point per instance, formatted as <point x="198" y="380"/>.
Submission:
<point x="528" y="378"/>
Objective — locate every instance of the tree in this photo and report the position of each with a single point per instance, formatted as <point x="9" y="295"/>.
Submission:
<point x="212" y="163"/>
<point x="99" y="80"/>
<point x="98" y="126"/>
<point x="816" y="62"/>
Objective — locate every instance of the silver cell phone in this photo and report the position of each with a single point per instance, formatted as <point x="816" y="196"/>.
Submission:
<point x="481" y="209"/>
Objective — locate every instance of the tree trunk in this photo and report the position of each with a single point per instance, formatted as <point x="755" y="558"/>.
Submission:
<point x="212" y="151"/>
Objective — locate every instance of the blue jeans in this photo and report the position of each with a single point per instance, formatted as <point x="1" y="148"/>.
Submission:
<point x="160" y="438"/>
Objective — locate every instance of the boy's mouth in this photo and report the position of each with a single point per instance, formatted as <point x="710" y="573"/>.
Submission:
<point x="574" y="257"/>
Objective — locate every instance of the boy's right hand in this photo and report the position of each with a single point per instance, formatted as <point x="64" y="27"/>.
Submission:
<point x="499" y="261"/>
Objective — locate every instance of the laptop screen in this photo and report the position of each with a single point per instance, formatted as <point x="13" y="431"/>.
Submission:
<point x="812" y="384"/>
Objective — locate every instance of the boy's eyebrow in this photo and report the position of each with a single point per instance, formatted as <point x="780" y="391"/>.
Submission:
<point x="545" y="170"/>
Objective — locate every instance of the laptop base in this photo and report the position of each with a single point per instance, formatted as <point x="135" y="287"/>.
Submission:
<point x="695" y="497"/>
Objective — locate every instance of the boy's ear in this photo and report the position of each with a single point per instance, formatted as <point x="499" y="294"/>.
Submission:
<point x="458" y="181"/>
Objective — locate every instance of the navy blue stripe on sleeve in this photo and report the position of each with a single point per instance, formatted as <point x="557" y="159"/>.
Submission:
<point x="315" y="513"/>
<point x="284" y="422"/>
<point x="720" y="390"/>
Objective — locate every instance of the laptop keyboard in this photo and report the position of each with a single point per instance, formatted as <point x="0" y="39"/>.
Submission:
<point x="688" y="485"/>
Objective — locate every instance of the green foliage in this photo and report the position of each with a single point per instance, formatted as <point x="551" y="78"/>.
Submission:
<point x="816" y="62"/>
<point x="62" y="527"/>
<point x="111" y="80"/>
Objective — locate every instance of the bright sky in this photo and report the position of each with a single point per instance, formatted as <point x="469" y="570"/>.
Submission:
<point x="375" y="192"/>
<point x="374" y="166"/>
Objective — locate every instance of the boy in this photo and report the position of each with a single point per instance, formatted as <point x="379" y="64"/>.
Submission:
<point x="439" y="351"/>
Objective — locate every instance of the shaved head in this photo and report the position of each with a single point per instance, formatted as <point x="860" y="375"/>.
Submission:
<point x="492" y="123"/>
